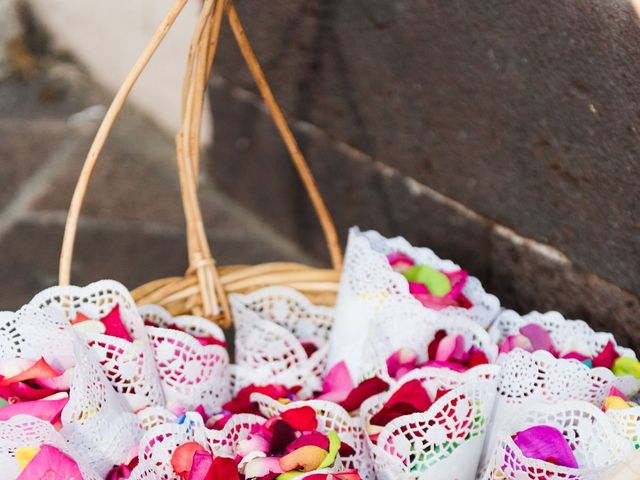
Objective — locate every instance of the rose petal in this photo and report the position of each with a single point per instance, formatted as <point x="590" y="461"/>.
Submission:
<point x="39" y="369"/>
<point x="401" y="360"/>
<point x="316" y="439"/>
<point x="183" y="456"/>
<point x="225" y="469"/>
<point x="201" y="466"/>
<point x="476" y="357"/>
<point x="304" y="459"/>
<point x="25" y="455"/>
<point x="400" y="261"/>
<point x="456" y="367"/>
<point x="538" y="336"/>
<point x="334" y="448"/>
<point x="545" y="443"/>
<point x="432" y="349"/>
<point x="60" y="383"/>
<point x="516" y="341"/>
<point x="283" y="435"/>
<point x="436" y="282"/>
<point x="626" y="366"/>
<point x="119" y="472"/>
<point x="606" y="357"/>
<point x="458" y="280"/>
<point x="24" y="392"/>
<point x="366" y="389"/>
<point x="260" y="467"/>
<point x="449" y="347"/>
<point x="48" y="410"/>
<point x="258" y="440"/>
<point x="114" y="325"/>
<point x="337" y="383"/>
<point x="409" y="398"/>
<point x="301" y="418"/>
<point x="206" y="341"/>
<point x="576" y="356"/>
<point x="51" y="464"/>
<point x="348" y="475"/>
<point x="613" y="402"/>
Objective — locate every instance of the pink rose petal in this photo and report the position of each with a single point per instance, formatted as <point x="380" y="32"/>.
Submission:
<point x="400" y="261"/>
<point x="48" y="410"/>
<point x="538" y="336"/>
<point x="39" y="369"/>
<point x="51" y="464"/>
<point x="114" y="325"/>
<point x="337" y="383"/>
<point x="545" y="443"/>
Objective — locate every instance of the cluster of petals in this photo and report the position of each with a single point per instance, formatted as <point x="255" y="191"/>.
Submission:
<point x="282" y="448"/>
<point x="435" y="289"/>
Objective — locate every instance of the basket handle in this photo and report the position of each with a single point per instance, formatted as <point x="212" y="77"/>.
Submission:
<point x="188" y="137"/>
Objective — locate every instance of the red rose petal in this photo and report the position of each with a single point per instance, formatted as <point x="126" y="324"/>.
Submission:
<point x="432" y="349"/>
<point x="476" y="357"/>
<point x="114" y="326"/>
<point x="391" y="412"/>
<point x="301" y="418"/>
<point x="365" y="390"/>
<point x="606" y="357"/>
<point x="283" y="435"/>
<point x="40" y="369"/>
<point x="182" y="458"/>
<point x="225" y="469"/>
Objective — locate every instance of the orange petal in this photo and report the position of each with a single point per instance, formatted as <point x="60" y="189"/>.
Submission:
<point x="304" y="459"/>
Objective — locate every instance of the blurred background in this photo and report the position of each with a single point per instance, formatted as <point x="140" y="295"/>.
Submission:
<point x="503" y="135"/>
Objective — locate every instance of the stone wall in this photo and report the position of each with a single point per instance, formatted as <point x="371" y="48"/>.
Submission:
<point x="502" y="134"/>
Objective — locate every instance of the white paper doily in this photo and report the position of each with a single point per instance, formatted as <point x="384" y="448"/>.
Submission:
<point x="368" y="281"/>
<point x="445" y="441"/>
<point x="129" y="366"/>
<point x="559" y="328"/>
<point x="26" y="431"/>
<point x="595" y="444"/>
<point x="270" y="323"/>
<point x="401" y="324"/>
<point x="529" y="379"/>
<point x="96" y="422"/>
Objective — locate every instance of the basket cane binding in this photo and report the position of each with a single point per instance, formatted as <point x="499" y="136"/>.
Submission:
<point x="204" y="287"/>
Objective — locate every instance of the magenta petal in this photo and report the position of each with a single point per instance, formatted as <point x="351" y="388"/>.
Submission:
<point x="337" y="383"/>
<point x="60" y="383"/>
<point x="400" y="261"/>
<point x="606" y="357"/>
<point x="458" y="280"/>
<point x="538" y="336"/>
<point x="48" y="410"/>
<point x="114" y="325"/>
<point x="51" y="464"/>
<point x="456" y="367"/>
<point x="516" y="341"/>
<point x="316" y="439"/>
<point x="545" y="443"/>
<point x="401" y="361"/>
<point x="417" y="288"/>
<point x="200" y="466"/>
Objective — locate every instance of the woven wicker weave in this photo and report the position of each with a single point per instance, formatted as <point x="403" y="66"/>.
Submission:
<point x="203" y="289"/>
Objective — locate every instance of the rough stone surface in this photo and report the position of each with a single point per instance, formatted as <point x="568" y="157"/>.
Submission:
<point x="525" y="112"/>
<point x="452" y="123"/>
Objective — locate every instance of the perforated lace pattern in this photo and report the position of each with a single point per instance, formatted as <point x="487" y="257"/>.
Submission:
<point x="129" y="366"/>
<point x="407" y="325"/>
<point x="559" y="328"/>
<point x="424" y="445"/>
<point x="367" y="274"/>
<point x="27" y="431"/>
<point x="529" y="379"/>
<point x="97" y="424"/>
<point x="594" y="441"/>
<point x="270" y="323"/>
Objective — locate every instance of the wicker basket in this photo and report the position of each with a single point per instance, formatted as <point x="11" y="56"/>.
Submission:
<point x="203" y="289"/>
